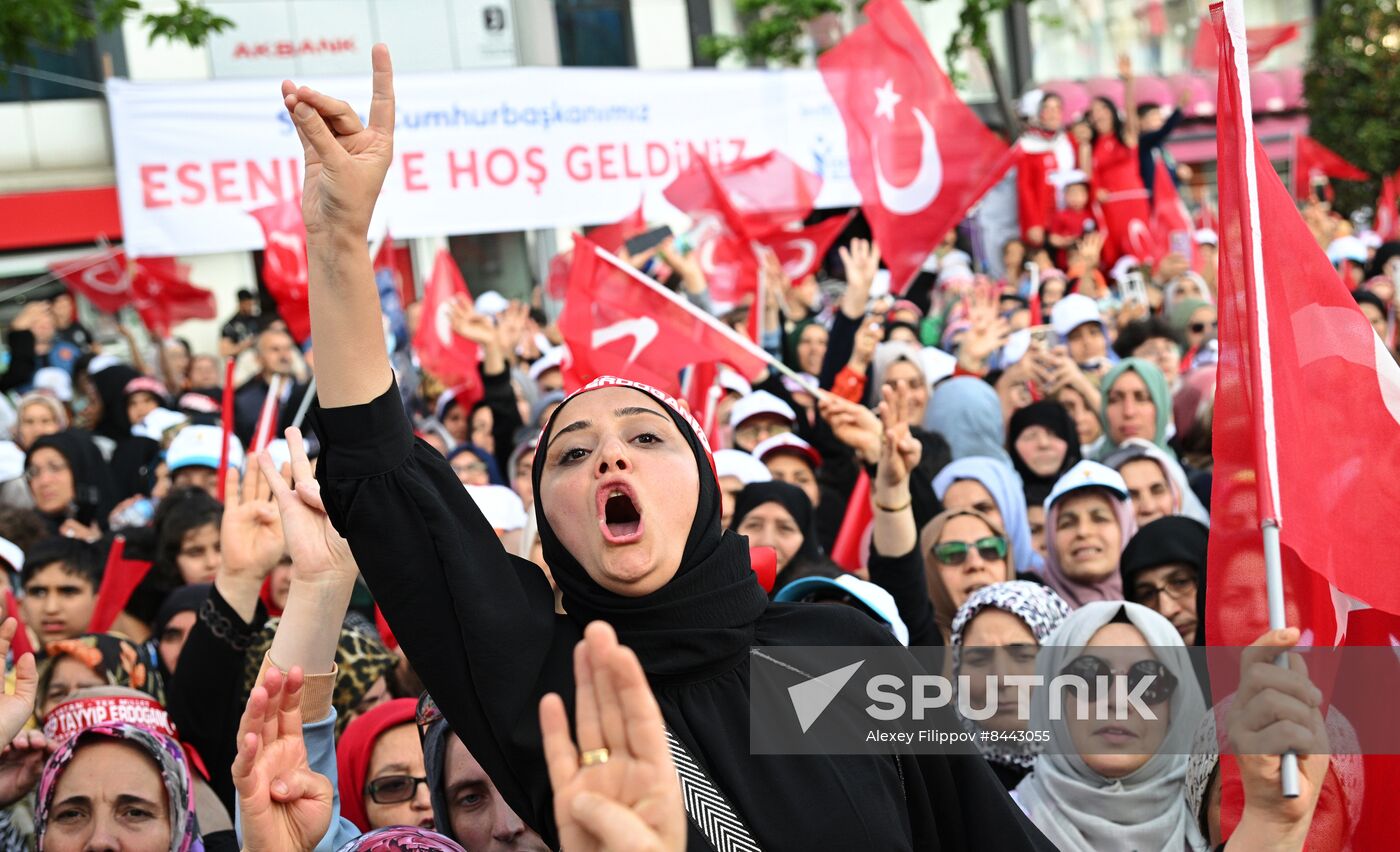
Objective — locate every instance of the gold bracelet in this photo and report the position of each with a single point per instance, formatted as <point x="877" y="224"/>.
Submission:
<point x="893" y="509"/>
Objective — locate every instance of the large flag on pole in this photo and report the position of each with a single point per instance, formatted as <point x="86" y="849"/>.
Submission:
<point x="441" y="351"/>
<point x="1306" y="429"/>
<point x="618" y="322"/>
<point x="800" y="251"/>
<point x="919" y="156"/>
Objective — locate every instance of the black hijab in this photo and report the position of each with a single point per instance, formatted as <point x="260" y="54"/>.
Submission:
<point x="111" y="389"/>
<point x="1172" y="540"/>
<point x="808" y="558"/>
<point x="93" y="492"/>
<point x="1052" y="416"/>
<point x="704" y="615"/>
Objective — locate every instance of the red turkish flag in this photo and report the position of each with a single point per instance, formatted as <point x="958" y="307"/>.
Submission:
<point x="1260" y="42"/>
<point x="770" y="192"/>
<point x="1127" y="224"/>
<point x="919" y="156"/>
<point x="801" y="251"/>
<point x="441" y="351"/>
<point x="120" y="578"/>
<point x="158" y="288"/>
<point x="848" y="551"/>
<point x="723" y="246"/>
<point x="1312" y="159"/>
<point x="611" y="237"/>
<point x="618" y="324"/>
<point x="285" y="268"/>
<point x="1298" y="360"/>
<point x="1171" y="221"/>
<point x="1387" y="224"/>
<point x="702" y="394"/>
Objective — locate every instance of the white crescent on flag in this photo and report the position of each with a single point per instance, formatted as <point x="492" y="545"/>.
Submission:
<point x="919" y="193"/>
<point x="806" y="253"/>
<point x="92" y="276"/>
<point x="642" y="330"/>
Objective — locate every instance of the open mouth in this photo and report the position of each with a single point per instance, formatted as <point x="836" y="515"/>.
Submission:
<point x="618" y="515"/>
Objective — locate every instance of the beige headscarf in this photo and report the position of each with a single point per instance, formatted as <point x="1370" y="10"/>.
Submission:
<point x="943" y="607"/>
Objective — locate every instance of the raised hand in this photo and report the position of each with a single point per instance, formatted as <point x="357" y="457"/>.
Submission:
<point x="251" y="533"/>
<point x="900" y="451"/>
<point x="988" y="332"/>
<point x="1277" y="710"/>
<point x="853" y="425"/>
<point x="346" y="161"/>
<point x="285" y="806"/>
<point x="22" y="764"/>
<point x="17" y="707"/>
<point x="861" y="261"/>
<point x="470" y="323"/>
<point x="868" y="336"/>
<point x="319" y="554"/>
<point x="631" y="802"/>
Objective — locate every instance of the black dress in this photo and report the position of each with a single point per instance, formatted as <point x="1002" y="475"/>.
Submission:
<point x="479" y="627"/>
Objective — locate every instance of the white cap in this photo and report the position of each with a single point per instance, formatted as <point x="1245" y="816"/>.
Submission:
<point x="280" y="452"/>
<point x="199" y="445"/>
<point x="11" y="555"/>
<point x="741" y="466"/>
<point x="734" y="383"/>
<point x="1068" y="177"/>
<point x="551" y="360"/>
<point x="155" y="424"/>
<point x="1029" y="105"/>
<point x="1073" y="311"/>
<point x="1127" y="263"/>
<point x="102" y="362"/>
<point x="877" y="599"/>
<point x="760" y="402"/>
<point x="54" y="381"/>
<point x="1346" y="248"/>
<point x="500" y="505"/>
<point x="1207" y="237"/>
<point x="788" y="442"/>
<point x="1087" y="474"/>
<point x="938" y="365"/>
<point x="1017" y="345"/>
<point x="11" y="461"/>
<point x="490" y="303"/>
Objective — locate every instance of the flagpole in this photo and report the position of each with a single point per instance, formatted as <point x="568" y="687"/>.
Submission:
<point x="753" y="348"/>
<point x="1270" y="523"/>
<point x="305" y="406"/>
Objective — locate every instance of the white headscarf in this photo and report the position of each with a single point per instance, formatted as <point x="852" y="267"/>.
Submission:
<point x="1082" y="811"/>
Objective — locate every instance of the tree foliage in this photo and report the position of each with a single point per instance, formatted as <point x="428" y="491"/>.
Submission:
<point x="59" y="25"/>
<point x="1352" y="85"/>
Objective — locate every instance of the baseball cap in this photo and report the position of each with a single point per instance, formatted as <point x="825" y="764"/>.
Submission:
<point x="501" y="506"/>
<point x="760" y="402"/>
<point x="199" y="446"/>
<point x="1346" y="248"/>
<point x="1207" y="237"/>
<point x="551" y="360"/>
<point x="875" y="600"/>
<point x="55" y="381"/>
<point x="1087" y="474"/>
<point x="1072" y="311"/>
<point x="742" y="466"/>
<point x="490" y="303"/>
<point x="790" y="444"/>
<point x="147" y="384"/>
<point x="734" y="383"/>
<point x="11" y="555"/>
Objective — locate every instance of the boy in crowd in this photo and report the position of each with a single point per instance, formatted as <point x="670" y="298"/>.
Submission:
<point x="60" y="578"/>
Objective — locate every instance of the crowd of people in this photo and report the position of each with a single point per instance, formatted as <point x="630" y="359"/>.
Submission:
<point x="496" y="616"/>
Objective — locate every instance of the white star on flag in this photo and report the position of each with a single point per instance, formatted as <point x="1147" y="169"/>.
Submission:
<point x="885" y="100"/>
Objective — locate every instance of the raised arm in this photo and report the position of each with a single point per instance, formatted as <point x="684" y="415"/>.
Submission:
<point x="1130" y="116"/>
<point x="345" y="167"/>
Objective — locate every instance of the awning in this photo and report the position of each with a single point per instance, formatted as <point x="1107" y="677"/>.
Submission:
<point x="1196" y="144"/>
<point x="38" y="219"/>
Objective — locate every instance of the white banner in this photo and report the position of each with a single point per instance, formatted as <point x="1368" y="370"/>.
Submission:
<point x="474" y="152"/>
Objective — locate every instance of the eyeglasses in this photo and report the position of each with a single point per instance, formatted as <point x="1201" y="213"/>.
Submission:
<point x="34" y="472"/>
<point x="470" y="467"/>
<point x="762" y="431"/>
<point x="426" y="714"/>
<point x="1178" y="587"/>
<point x="392" y="789"/>
<point x="1091" y="668"/>
<point x="954" y="553"/>
<point x="1200" y="327"/>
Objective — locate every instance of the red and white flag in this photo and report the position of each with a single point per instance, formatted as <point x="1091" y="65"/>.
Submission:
<point x="770" y="193"/>
<point x="1313" y="160"/>
<point x="285" y="269"/>
<point x="702" y="392"/>
<point x="919" y="156"/>
<point x="448" y="356"/>
<point x="724" y="248"/>
<point x="801" y="251"/>
<point x="618" y="322"/>
<point x="610" y="237"/>
<point x="851" y="549"/>
<point x="1171" y="221"/>
<point x="158" y="288"/>
<point x="1259" y="43"/>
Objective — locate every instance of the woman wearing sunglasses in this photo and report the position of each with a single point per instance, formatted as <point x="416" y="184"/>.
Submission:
<point x="963" y="551"/>
<point x="1105" y="782"/>
<point x="380" y="769"/>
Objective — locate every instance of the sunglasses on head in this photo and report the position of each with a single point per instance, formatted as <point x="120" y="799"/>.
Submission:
<point x="954" y="553"/>
<point x="1091" y="668"/>
<point x="1200" y="327"/>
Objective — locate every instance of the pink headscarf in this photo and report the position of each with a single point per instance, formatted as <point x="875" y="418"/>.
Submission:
<point x="1075" y="593"/>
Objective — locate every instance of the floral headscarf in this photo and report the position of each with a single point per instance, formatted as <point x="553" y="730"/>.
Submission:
<point x="170" y="760"/>
<point x="113" y="658"/>
<point x="401" y="838"/>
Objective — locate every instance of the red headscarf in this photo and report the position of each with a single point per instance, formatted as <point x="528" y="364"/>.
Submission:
<point x="353" y="752"/>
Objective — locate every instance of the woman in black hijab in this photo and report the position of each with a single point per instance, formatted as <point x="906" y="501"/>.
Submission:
<point x="783" y="521"/>
<point x="82" y="493"/>
<point x="1033" y="438"/>
<point x="628" y="509"/>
